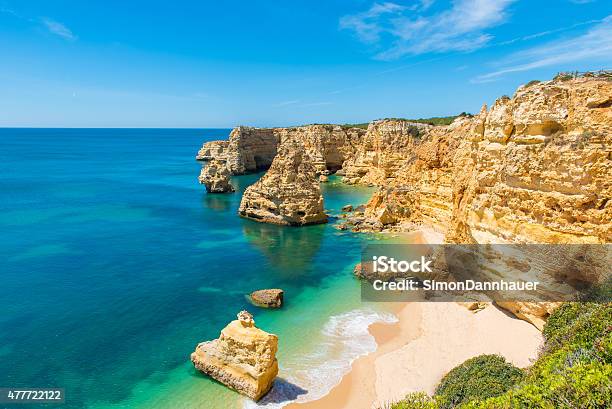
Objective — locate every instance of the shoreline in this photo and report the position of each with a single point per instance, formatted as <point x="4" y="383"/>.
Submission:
<point x="358" y="386"/>
<point x="429" y="339"/>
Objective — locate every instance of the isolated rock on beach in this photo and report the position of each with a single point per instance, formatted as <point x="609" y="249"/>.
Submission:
<point x="216" y="177"/>
<point x="242" y="358"/>
<point x="288" y="194"/>
<point x="269" y="298"/>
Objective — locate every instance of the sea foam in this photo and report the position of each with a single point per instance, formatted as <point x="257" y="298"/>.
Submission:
<point x="344" y="338"/>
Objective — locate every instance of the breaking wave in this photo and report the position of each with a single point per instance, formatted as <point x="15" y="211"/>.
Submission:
<point x="344" y="338"/>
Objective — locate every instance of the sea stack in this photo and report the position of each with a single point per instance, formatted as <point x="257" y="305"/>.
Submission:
<point x="212" y="150"/>
<point x="216" y="177"/>
<point x="242" y="358"/>
<point x="289" y="193"/>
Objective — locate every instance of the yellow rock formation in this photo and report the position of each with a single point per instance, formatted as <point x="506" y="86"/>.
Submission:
<point x="242" y="358"/>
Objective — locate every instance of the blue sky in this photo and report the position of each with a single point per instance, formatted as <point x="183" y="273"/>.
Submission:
<point x="278" y="63"/>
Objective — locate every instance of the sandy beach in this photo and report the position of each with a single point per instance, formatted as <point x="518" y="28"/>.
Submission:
<point x="429" y="340"/>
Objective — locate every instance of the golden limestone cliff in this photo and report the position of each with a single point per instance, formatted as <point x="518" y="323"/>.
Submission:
<point x="385" y="146"/>
<point x="541" y="170"/>
<point x="328" y="146"/>
<point x="243" y="357"/>
<point x="535" y="168"/>
<point x="289" y="192"/>
<point x="252" y="149"/>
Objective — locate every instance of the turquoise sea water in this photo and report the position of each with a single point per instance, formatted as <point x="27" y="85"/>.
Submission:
<point x="115" y="263"/>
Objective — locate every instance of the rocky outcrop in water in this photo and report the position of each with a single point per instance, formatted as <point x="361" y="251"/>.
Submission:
<point x="212" y="150"/>
<point x="268" y="298"/>
<point x="216" y="177"/>
<point x="289" y="192"/>
<point x="251" y="149"/>
<point x="242" y="358"/>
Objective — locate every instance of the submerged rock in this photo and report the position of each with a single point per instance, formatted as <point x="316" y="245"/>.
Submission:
<point x="216" y="177"/>
<point x="269" y="298"/>
<point x="242" y="358"/>
<point x="289" y="193"/>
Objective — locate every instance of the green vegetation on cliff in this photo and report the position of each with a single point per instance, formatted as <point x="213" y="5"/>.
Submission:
<point x="574" y="369"/>
<point x="435" y="120"/>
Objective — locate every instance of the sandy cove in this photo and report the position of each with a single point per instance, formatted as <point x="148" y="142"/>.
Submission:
<point x="429" y="340"/>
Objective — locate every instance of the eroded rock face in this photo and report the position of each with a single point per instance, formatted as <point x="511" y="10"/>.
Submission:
<point x="549" y="181"/>
<point x="328" y="146"/>
<point x="251" y="149"/>
<point x="216" y="177"/>
<point x="386" y="145"/>
<point x="535" y="168"/>
<point x="242" y="358"/>
<point x="289" y="192"/>
<point x="212" y="150"/>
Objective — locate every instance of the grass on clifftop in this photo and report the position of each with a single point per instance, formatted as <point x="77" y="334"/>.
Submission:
<point x="435" y="120"/>
<point x="574" y="369"/>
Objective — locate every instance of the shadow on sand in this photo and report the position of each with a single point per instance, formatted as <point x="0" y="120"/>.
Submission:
<point x="282" y="391"/>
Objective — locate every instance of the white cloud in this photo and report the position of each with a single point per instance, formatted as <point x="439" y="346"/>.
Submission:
<point x="594" y="45"/>
<point x="460" y="28"/>
<point x="317" y="104"/>
<point x="6" y="10"/>
<point x="366" y="24"/>
<point x="58" y="29"/>
<point x="421" y="5"/>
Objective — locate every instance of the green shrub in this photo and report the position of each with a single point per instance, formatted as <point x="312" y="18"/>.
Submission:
<point x="574" y="369"/>
<point x="414" y="131"/>
<point x="417" y="400"/>
<point x="438" y="120"/>
<point x="481" y="377"/>
<point x="602" y="292"/>
<point x="532" y="82"/>
<point x="362" y="125"/>
<point x="575" y="325"/>
<point x="563" y="76"/>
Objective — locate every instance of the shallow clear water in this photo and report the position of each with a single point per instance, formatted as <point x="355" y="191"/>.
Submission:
<point x="115" y="263"/>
